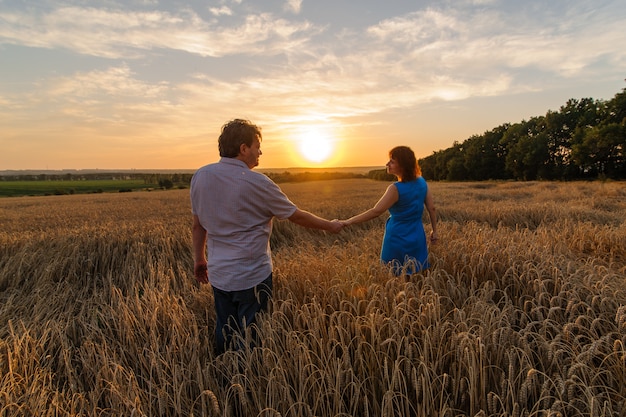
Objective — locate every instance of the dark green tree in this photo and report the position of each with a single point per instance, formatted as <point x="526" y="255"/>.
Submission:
<point x="584" y="138"/>
<point x="531" y="157"/>
<point x="616" y="109"/>
<point x="438" y="166"/>
<point x="484" y="156"/>
<point x="600" y="151"/>
<point x="427" y="165"/>
<point x="455" y="164"/>
<point x="166" y="183"/>
<point x="528" y="156"/>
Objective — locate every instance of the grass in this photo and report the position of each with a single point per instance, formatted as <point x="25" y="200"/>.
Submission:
<point x="63" y="187"/>
<point x="522" y="314"/>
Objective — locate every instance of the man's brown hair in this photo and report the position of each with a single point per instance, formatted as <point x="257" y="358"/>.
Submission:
<point x="234" y="134"/>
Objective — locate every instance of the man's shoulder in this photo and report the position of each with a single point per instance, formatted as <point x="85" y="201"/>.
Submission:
<point x="232" y="169"/>
<point x="259" y="179"/>
<point x="207" y="166"/>
<point x="217" y="166"/>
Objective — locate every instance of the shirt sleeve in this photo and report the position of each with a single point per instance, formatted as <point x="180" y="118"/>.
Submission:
<point x="277" y="202"/>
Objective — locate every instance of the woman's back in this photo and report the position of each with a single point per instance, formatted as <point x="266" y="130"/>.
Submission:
<point x="405" y="238"/>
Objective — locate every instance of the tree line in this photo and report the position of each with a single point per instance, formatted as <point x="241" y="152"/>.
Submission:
<point x="164" y="180"/>
<point x="584" y="139"/>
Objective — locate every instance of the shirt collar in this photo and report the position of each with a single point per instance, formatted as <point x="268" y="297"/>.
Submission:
<point x="233" y="161"/>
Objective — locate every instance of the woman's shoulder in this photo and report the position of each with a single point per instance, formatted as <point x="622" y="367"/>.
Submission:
<point x="417" y="181"/>
<point x="417" y="184"/>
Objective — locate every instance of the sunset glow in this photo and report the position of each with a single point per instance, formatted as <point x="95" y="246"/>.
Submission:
<point x="97" y="84"/>
<point x="315" y="145"/>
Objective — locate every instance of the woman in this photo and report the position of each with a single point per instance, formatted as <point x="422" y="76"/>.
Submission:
<point x="404" y="242"/>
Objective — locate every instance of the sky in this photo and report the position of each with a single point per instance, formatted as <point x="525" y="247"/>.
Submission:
<point x="148" y="84"/>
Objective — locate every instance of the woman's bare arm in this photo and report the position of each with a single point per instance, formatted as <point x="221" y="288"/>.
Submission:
<point x="387" y="200"/>
<point x="432" y="214"/>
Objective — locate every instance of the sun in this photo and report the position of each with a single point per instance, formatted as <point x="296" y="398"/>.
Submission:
<point x="316" y="145"/>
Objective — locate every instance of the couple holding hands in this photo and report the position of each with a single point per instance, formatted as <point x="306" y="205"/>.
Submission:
<point x="233" y="207"/>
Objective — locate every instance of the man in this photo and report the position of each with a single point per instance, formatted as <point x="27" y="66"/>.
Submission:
<point x="232" y="209"/>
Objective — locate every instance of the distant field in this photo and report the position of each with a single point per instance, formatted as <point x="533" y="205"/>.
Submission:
<point x="19" y="187"/>
<point x="62" y="187"/>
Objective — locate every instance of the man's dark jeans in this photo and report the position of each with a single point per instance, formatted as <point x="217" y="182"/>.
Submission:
<point x="237" y="310"/>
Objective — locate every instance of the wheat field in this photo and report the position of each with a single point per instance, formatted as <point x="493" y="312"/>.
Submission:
<point x="523" y="312"/>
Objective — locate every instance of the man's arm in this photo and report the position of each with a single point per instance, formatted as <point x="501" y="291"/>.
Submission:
<point x="310" y="220"/>
<point x="198" y="236"/>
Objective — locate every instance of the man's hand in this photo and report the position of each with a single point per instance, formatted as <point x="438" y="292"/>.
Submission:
<point x="336" y="226"/>
<point x="201" y="273"/>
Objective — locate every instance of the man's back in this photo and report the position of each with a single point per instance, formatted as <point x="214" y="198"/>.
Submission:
<point x="235" y="206"/>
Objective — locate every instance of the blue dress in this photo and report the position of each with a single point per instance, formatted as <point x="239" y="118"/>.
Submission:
<point x="404" y="241"/>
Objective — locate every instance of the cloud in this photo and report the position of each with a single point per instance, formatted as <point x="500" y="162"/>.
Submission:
<point x="466" y="44"/>
<point x="401" y="62"/>
<point x="221" y="11"/>
<point x="119" y="33"/>
<point x="462" y="42"/>
<point x="293" y="6"/>
<point x="102" y="100"/>
<point x="114" y="81"/>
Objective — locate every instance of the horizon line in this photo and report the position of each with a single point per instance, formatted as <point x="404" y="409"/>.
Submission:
<point x="178" y="169"/>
